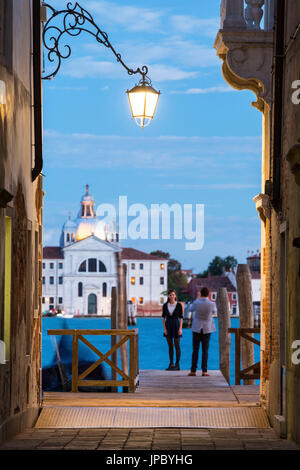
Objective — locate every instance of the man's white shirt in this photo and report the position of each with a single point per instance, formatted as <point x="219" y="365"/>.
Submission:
<point x="203" y="310"/>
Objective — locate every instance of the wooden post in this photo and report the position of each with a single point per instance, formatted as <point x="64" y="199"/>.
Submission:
<point x="75" y="363"/>
<point x="244" y="291"/>
<point x="237" y="357"/>
<point x="131" y="363"/>
<point x="122" y="323"/>
<point x="113" y="338"/>
<point x="224" y="335"/>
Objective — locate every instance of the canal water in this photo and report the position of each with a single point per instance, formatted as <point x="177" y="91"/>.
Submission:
<point x="153" y="348"/>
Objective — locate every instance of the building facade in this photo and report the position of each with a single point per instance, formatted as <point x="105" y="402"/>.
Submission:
<point x="259" y="50"/>
<point x="21" y="199"/>
<point x="78" y="275"/>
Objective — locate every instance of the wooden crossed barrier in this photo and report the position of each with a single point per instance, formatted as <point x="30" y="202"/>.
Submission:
<point x="243" y="374"/>
<point x="130" y="380"/>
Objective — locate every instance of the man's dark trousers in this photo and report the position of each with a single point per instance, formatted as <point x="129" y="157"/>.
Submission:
<point x="204" y="338"/>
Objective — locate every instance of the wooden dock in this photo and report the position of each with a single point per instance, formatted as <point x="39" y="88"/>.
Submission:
<point x="159" y="388"/>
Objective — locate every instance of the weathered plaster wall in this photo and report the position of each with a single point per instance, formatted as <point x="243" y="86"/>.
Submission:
<point x="20" y="376"/>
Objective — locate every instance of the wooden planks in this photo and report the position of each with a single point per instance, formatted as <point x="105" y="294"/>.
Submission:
<point x="164" y="389"/>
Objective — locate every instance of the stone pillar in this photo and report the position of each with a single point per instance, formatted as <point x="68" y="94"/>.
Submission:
<point x="232" y="15"/>
<point x="269" y="15"/>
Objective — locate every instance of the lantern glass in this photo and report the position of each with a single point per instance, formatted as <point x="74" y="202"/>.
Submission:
<point x="143" y="101"/>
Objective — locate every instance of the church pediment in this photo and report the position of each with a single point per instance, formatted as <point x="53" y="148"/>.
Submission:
<point x="92" y="243"/>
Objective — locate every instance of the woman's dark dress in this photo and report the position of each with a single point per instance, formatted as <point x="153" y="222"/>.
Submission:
<point x="172" y="321"/>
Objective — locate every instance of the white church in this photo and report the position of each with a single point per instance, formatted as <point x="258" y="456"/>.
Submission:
<point x="79" y="274"/>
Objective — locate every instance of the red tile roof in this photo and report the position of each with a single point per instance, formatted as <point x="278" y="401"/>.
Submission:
<point x="52" y="252"/>
<point x="55" y="252"/>
<point x="212" y="283"/>
<point x="132" y="253"/>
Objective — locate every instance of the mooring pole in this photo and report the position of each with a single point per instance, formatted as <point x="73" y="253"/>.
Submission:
<point x="224" y="335"/>
<point x="244" y="291"/>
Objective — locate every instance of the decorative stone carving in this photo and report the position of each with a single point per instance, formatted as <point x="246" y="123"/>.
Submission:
<point x="247" y="61"/>
<point x="263" y="206"/>
<point x="293" y="157"/>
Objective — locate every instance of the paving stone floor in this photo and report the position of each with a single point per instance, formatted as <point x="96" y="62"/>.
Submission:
<point x="148" y="439"/>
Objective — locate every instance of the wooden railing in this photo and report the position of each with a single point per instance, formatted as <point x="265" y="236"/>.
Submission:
<point x="243" y="374"/>
<point x="130" y="380"/>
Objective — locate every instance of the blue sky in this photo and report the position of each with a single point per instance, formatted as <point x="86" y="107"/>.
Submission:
<point x="203" y="147"/>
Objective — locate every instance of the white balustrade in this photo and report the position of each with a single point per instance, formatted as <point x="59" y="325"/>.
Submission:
<point x="247" y="14"/>
<point x="254" y="13"/>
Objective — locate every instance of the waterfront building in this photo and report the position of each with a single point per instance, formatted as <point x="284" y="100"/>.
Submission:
<point x="78" y="275"/>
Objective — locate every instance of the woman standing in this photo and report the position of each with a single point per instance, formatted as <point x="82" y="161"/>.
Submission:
<point x="172" y="317"/>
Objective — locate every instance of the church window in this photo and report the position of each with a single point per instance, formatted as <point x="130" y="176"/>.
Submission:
<point x="82" y="267"/>
<point x="79" y="289"/>
<point x="102" y="268"/>
<point x="104" y="289"/>
<point x="92" y="263"/>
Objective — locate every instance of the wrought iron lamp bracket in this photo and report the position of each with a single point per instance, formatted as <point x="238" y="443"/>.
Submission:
<point x="75" y="20"/>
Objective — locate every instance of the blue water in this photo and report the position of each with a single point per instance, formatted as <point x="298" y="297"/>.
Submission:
<point x="153" y="348"/>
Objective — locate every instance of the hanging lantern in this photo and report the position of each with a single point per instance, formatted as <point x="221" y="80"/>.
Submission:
<point x="143" y="101"/>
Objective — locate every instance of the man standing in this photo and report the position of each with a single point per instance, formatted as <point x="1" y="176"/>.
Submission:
<point x="202" y="327"/>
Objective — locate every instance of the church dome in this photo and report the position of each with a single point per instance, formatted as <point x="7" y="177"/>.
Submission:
<point x="87" y="224"/>
<point x="69" y="224"/>
<point x="88" y="227"/>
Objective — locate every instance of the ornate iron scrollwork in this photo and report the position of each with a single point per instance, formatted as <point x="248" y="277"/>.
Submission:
<point x="75" y="20"/>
